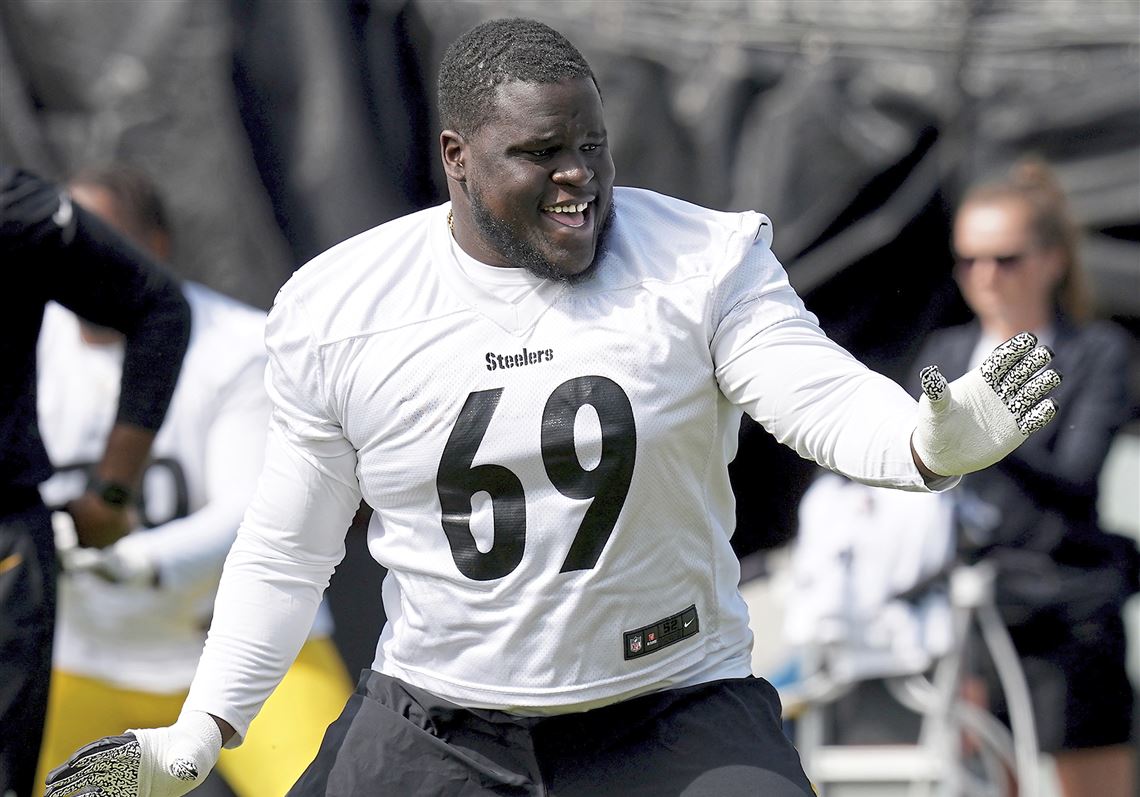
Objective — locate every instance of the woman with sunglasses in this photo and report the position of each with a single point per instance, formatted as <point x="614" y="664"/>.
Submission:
<point x="1061" y="580"/>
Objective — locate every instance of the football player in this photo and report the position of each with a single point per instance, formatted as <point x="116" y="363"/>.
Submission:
<point x="133" y="616"/>
<point x="537" y="387"/>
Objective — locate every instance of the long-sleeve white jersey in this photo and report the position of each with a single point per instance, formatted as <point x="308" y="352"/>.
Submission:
<point x="204" y="467"/>
<point x="548" y="470"/>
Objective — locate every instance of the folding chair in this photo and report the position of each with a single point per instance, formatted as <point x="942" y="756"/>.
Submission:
<point x="878" y="596"/>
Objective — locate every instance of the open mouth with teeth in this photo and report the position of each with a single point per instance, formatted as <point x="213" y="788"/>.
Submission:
<point x="569" y="214"/>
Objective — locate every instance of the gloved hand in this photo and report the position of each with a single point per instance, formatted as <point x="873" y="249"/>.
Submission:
<point x="128" y="562"/>
<point x="125" y="562"/>
<point x="158" y="762"/>
<point x="977" y="419"/>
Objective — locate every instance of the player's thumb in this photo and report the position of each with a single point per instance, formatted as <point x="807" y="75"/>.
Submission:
<point x="935" y="387"/>
<point x="176" y="759"/>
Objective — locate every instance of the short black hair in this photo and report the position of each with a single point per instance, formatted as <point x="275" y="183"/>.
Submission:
<point x="496" y="52"/>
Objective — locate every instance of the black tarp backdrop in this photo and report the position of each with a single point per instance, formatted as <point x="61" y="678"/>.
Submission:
<point x="341" y="142"/>
<point x="149" y="83"/>
<point x="278" y="129"/>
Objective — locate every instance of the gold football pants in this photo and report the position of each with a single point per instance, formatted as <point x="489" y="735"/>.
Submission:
<point x="281" y="742"/>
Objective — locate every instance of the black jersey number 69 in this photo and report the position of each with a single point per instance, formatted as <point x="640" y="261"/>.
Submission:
<point x="607" y="483"/>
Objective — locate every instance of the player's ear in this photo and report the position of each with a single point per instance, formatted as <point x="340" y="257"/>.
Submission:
<point x="452" y="148"/>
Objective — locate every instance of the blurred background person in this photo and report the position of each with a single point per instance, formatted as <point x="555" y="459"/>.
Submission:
<point x="1061" y="580"/>
<point x="867" y="602"/>
<point x="49" y="249"/>
<point x="133" y="616"/>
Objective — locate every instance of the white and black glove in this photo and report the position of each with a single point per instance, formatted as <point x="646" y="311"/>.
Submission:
<point x="127" y="562"/>
<point x="157" y="762"/>
<point x="979" y="418"/>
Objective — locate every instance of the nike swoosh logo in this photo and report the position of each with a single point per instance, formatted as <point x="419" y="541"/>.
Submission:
<point x="686" y="625"/>
<point x="64" y="213"/>
<point x="10" y="562"/>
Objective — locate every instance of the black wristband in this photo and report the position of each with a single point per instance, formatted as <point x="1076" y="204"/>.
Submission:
<point x="112" y="493"/>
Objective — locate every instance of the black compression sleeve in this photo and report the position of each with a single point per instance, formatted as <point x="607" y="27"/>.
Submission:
<point x="108" y="281"/>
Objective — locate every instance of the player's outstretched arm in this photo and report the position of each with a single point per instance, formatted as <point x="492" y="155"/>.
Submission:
<point x="157" y="762"/>
<point x="976" y="420"/>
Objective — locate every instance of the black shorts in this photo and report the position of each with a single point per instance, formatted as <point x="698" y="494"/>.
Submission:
<point x="1078" y="682"/>
<point x="722" y="738"/>
<point x="28" y="574"/>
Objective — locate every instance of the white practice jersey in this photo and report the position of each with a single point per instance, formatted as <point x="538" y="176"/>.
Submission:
<point x="548" y="471"/>
<point x="205" y="462"/>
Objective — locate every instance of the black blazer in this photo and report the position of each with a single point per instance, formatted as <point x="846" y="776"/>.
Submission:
<point x="1045" y="492"/>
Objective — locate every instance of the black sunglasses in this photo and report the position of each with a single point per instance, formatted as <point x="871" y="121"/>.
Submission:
<point x="1003" y="261"/>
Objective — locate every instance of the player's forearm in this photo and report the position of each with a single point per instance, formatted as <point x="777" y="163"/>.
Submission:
<point x="102" y="514"/>
<point x="863" y="431"/>
<point x="152" y="359"/>
<point x="191" y="550"/>
<point x="273" y="580"/>
<point x="125" y="455"/>
<point x="817" y="399"/>
<point x="262" y="616"/>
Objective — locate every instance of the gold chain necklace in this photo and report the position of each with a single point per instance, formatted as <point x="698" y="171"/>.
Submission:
<point x="451" y="221"/>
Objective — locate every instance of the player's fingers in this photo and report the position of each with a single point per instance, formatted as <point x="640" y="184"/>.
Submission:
<point x="72" y="774"/>
<point x="72" y="786"/>
<point x="1021" y="402"/>
<point x="1038" y="417"/>
<point x="1024" y="368"/>
<point x="1001" y="359"/>
<point x="934" y="384"/>
<point x="80" y="560"/>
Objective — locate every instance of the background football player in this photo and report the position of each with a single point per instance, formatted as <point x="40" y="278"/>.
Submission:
<point x="133" y="616"/>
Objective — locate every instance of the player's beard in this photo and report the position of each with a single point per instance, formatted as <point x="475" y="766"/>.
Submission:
<point x="522" y="253"/>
